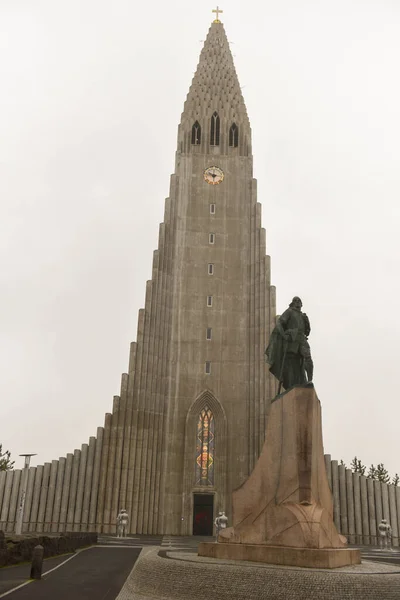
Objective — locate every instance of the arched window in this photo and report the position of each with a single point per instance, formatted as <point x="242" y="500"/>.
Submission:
<point x="196" y="134"/>
<point x="205" y="448"/>
<point x="234" y="135"/>
<point x="214" y="133"/>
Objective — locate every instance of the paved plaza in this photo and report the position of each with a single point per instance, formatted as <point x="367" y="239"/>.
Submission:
<point x="146" y="567"/>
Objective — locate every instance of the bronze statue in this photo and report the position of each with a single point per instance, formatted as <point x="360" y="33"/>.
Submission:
<point x="288" y="352"/>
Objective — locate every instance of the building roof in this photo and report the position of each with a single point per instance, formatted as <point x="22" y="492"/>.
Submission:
<point x="215" y="85"/>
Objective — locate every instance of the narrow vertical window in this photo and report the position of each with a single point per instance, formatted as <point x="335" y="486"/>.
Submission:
<point x="196" y="134"/>
<point x="209" y="300"/>
<point x="212" y="209"/>
<point x="214" y="131"/>
<point x="210" y="269"/>
<point x="211" y="238"/>
<point x="208" y="367"/>
<point x="205" y="448"/>
<point x="209" y="333"/>
<point x="234" y="135"/>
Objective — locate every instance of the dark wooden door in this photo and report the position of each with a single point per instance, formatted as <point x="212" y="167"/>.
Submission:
<point x="203" y="513"/>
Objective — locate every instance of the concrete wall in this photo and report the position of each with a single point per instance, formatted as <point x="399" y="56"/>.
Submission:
<point x="62" y="496"/>
<point x="59" y="494"/>
<point x="361" y="503"/>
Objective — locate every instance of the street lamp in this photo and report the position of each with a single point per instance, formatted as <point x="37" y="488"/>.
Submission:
<point x="20" y="515"/>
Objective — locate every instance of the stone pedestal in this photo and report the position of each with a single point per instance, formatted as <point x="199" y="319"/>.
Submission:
<point x="286" y="502"/>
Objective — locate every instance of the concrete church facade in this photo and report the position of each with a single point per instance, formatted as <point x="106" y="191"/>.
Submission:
<point x="189" y="423"/>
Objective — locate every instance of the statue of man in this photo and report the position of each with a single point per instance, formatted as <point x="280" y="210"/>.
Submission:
<point x="122" y="523"/>
<point x="288" y="352"/>
<point x="220" y="522"/>
<point x="385" y="534"/>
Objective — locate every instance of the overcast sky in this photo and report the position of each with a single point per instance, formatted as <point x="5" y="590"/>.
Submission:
<point x="91" y="97"/>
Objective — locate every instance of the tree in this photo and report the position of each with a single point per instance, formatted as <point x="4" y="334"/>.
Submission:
<point x="372" y="473"/>
<point x="6" y="464"/>
<point x="382" y="473"/>
<point x="396" y="479"/>
<point x="343" y="463"/>
<point x="357" y="466"/>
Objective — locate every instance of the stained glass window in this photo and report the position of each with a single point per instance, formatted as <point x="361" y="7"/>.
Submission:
<point x="205" y="448"/>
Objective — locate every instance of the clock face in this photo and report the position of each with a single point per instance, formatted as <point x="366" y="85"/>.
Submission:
<point x="213" y="175"/>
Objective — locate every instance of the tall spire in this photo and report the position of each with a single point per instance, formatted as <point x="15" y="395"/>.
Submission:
<point x="215" y="86"/>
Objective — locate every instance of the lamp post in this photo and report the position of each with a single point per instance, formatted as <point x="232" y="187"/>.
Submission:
<point x="20" y="515"/>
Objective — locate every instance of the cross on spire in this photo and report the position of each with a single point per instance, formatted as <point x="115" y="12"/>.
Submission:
<point x="217" y="10"/>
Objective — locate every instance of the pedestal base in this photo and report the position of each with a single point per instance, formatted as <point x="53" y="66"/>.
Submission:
<point x="314" y="558"/>
<point x="286" y="500"/>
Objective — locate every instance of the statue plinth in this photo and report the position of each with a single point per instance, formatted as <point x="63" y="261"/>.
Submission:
<point x="283" y="513"/>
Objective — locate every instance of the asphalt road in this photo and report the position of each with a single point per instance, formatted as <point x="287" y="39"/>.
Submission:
<point x="93" y="574"/>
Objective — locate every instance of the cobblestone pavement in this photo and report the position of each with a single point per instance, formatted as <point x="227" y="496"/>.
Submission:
<point x="376" y="555"/>
<point x="169" y="552"/>
<point x="172" y="575"/>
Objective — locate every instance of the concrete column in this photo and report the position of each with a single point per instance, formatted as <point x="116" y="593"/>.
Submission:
<point x="393" y="515"/>
<point x="336" y="495"/>
<point x="262" y="336"/>
<point x="378" y="502"/>
<point x="364" y="508"/>
<point x="168" y="240"/>
<point x="103" y="472"/>
<point x="65" y="492"/>
<point x="258" y="353"/>
<point x="109" y="492"/>
<point x="116" y="498"/>
<point x="128" y="427"/>
<point x="3" y="475"/>
<point x="372" y="512"/>
<point x="397" y="494"/>
<point x="150" y="430"/>
<point x="93" y="526"/>
<point x="37" y="485"/>
<point x="80" y="488"/>
<point x="43" y="497"/>
<point x="72" y="490"/>
<point x="344" y="526"/>
<point x="28" y="500"/>
<point x="141" y="434"/>
<point x="357" y="507"/>
<point x="136" y="439"/>
<point x="88" y="484"/>
<point x="6" y="499"/>
<point x="328" y="467"/>
<point x="350" y="506"/>
<point x="160" y="379"/>
<point x="12" y="511"/>
<point x="58" y="495"/>
<point x="48" y="515"/>
<point x="385" y="502"/>
<point x="2" y="485"/>
<point x="161" y="343"/>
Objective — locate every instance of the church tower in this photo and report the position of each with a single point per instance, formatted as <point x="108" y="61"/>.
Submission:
<point x="190" y="425"/>
<point x="190" y="419"/>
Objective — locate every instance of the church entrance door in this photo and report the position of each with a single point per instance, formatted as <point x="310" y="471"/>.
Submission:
<point x="203" y="512"/>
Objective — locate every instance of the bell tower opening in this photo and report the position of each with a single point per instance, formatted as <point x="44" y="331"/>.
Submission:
<point x="203" y="514"/>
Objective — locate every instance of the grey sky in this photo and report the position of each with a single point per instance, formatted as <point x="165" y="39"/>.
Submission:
<point x="91" y="97"/>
